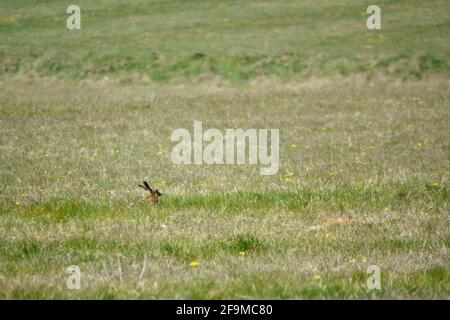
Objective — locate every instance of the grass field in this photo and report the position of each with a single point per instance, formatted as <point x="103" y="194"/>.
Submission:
<point x="364" y="150"/>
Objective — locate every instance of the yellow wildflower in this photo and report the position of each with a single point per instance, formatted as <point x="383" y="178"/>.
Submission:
<point x="194" y="264"/>
<point x="288" y="176"/>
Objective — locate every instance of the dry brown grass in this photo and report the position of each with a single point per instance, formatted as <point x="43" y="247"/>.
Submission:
<point x="364" y="180"/>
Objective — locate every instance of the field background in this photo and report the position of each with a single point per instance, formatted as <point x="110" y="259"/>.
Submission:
<point x="363" y="115"/>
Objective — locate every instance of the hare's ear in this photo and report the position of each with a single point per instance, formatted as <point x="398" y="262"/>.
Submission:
<point x="147" y="186"/>
<point x="140" y="185"/>
<point x="158" y="193"/>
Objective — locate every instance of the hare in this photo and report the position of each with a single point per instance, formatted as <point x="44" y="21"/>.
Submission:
<point x="153" y="196"/>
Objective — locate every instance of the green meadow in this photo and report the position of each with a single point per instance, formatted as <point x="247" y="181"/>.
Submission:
<point x="86" y="115"/>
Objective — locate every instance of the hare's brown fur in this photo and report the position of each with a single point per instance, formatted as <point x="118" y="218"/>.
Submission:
<point x="153" y="194"/>
<point x="152" y="198"/>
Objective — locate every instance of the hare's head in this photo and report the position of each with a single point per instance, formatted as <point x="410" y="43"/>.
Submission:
<point x="153" y="194"/>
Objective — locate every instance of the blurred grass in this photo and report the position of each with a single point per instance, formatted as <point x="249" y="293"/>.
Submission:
<point x="235" y="40"/>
